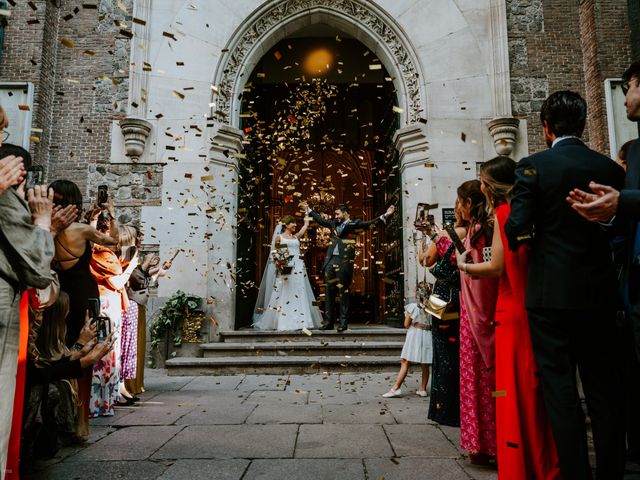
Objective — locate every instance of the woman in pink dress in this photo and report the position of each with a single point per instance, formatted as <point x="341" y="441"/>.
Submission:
<point x="477" y="348"/>
<point x="526" y="447"/>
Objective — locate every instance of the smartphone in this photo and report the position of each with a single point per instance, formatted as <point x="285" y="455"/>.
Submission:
<point x="103" y="328"/>
<point x="35" y="176"/>
<point x="94" y="308"/>
<point x="431" y="220"/>
<point x="454" y="237"/>
<point x="103" y="194"/>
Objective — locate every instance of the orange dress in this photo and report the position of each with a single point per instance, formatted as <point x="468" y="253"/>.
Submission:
<point x="526" y="446"/>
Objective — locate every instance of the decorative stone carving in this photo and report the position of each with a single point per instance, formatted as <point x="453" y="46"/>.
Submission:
<point x="504" y="132"/>
<point x="135" y="131"/>
<point x="383" y="30"/>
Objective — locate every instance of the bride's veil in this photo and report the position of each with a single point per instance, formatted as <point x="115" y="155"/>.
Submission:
<point x="261" y="321"/>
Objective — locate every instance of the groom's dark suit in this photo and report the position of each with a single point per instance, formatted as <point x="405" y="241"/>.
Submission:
<point x="338" y="265"/>
<point x="571" y="299"/>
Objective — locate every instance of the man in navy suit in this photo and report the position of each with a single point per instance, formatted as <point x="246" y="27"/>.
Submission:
<point x="338" y="265"/>
<point x="571" y="296"/>
<point x="623" y="208"/>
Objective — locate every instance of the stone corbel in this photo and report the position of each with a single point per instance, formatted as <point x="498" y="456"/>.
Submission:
<point x="505" y="133"/>
<point x="136" y="132"/>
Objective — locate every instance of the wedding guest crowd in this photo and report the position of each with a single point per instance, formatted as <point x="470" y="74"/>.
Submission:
<point x="546" y="288"/>
<point x="71" y="343"/>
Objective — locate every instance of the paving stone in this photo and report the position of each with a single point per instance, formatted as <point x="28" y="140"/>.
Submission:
<point x="263" y="382"/>
<point x="409" y="410"/>
<point x="164" y="382"/>
<point x="295" y="397"/>
<point x="413" y="468"/>
<point x="221" y="413"/>
<point x="305" y="469"/>
<point x="222" y="383"/>
<point x="335" y="397"/>
<point x="342" y="441"/>
<point x="206" y="470"/>
<point x="420" y="441"/>
<point x="453" y="435"/>
<point x="119" y="413"/>
<point x="477" y="472"/>
<point x="140" y="470"/>
<point x="231" y="441"/>
<point x="370" y="412"/>
<point x="131" y="443"/>
<point x="286" y="414"/>
<point x="155" y="415"/>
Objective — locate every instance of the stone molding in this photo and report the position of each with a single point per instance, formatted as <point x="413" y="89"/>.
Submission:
<point x="139" y="76"/>
<point x="504" y="132"/>
<point x="501" y="78"/>
<point x="412" y="146"/>
<point x="225" y="141"/>
<point x="136" y="132"/>
<point x="367" y="17"/>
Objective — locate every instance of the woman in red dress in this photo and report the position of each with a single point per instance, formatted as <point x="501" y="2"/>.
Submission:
<point x="526" y="447"/>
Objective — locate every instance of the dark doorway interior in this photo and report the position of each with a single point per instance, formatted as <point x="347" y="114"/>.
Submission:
<point x="319" y="115"/>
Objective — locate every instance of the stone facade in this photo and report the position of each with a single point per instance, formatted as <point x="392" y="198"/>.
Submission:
<point x="181" y="66"/>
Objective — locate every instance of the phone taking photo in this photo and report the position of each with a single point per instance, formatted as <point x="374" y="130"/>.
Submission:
<point x="103" y="328"/>
<point x="450" y="229"/>
<point x="94" y="308"/>
<point x="103" y="194"/>
<point x="35" y="176"/>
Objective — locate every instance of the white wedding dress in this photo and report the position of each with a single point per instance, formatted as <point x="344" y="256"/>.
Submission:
<point x="285" y="302"/>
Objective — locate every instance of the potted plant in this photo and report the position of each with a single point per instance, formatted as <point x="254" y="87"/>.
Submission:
<point x="173" y="319"/>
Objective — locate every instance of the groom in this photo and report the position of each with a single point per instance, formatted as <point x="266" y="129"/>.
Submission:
<point x="338" y="265"/>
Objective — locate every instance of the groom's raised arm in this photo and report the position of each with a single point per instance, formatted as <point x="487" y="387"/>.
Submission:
<point x="318" y="218"/>
<point x="361" y="224"/>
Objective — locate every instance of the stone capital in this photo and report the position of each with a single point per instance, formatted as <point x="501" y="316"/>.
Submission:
<point x="411" y="144"/>
<point x="136" y="132"/>
<point x="225" y="142"/>
<point x="505" y="133"/>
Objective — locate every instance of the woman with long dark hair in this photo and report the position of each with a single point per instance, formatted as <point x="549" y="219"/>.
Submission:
<point x="525" y="444"/>
<point x="73" y="250"/>
<point x="444" y="404"/>
<point x="477" y="349"/>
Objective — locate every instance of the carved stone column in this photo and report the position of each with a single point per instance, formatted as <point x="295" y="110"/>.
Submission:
<point x="505" y="133"/>
<point x="413" y="155"/>
<point x="226" y="144"/>
<point x="136" y="132"/>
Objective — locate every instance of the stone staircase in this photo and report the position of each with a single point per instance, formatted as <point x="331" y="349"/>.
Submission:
<point x="367" y="348"/>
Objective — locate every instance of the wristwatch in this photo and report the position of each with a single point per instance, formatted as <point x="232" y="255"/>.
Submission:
<point x="77" y="346"/>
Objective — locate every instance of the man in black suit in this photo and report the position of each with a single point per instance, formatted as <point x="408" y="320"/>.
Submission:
<point x="338" y="265"/>
<point x="602" y="206"/>
<point x="571" y="293"/>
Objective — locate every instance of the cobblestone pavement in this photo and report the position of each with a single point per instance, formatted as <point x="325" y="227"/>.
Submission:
<point x="249" y="427"/>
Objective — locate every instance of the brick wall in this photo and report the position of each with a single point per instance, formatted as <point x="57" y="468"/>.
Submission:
<point x="548" y="40"/>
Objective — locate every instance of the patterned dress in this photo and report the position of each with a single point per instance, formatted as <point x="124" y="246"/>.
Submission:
<point x="444" y="403"/>
<point x="477" y="357"/>
<point x="129" y="342"/>
<point x="105" y="382"/>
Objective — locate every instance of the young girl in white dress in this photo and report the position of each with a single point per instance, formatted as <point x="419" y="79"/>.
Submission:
<point x="286" y="302"/>
<point x="417" y="348"/>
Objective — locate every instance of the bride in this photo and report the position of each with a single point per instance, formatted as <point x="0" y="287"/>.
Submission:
<point x="285" y="301"/>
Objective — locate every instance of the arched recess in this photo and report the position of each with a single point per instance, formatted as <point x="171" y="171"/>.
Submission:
<point x="278" y="19"/>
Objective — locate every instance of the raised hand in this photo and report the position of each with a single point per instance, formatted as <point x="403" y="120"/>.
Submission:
<point x="390" y="211"/>
<point x="12" y="172"/>
<point x="40" y="200"/>
<point x="88" y="331"/>
<point x="61" y="218"/>
<point x="304" y="205"/>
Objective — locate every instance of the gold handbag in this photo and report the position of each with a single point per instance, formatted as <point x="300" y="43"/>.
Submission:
<point x="438" y="306"/>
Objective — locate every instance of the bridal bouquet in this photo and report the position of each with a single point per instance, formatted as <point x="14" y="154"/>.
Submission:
<point x="282" y="259"/>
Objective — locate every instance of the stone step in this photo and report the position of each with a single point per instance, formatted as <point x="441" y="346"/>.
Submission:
<point x="280" y="365"/>
<point x="378" y="334"/>
<point x="301" y="348"/>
